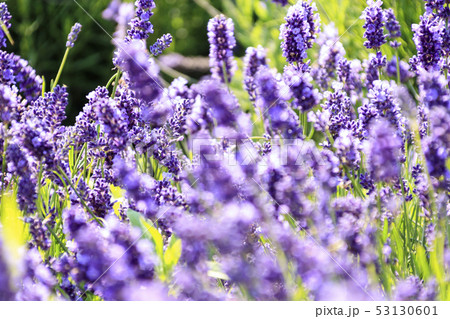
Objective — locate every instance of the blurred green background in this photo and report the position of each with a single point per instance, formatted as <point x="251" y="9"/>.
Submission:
<point x="40" y="28"/>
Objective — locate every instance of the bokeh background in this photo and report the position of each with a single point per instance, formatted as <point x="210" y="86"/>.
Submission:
<point x="40" y="28"/>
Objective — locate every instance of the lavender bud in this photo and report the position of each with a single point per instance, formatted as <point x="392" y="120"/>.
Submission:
<point x="161" y="44"/>
<point x="73" y="35"/>
<point x="222" y="42"/>
<point x="5" y="16"/>
<point x="254" y="58"/>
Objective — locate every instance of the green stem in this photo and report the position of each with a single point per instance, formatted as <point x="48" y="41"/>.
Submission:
<point x="418" y="142"/>
<point x="116" y="83"/>
<point x="111" y="80"/>
<point x="61" y="67"/>
<point x="5" y="145"/>
<point x="398" y="67"/>
<point x="6" y="31"/>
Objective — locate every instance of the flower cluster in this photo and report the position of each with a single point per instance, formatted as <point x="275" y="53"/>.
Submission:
<point x="374" y="23"/>
<point x="428" y="40"/>
<point x="254" y="58"/>
<point x="299" y="31"/>
<point x="222" y="42"/>
<point x="393" y="28"/>
<point x="140" y="25"/>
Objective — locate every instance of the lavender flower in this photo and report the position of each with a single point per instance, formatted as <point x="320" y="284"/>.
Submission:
<point x="39" y="233"/>
<point x="113" y="121"/>
<point x="374" y="23"/>
<point x="73" y="35"/>
<point x="9" y="104"/>
<point x="141" y="27"/>
<point x="373" y="66"/>
<point x="428" y="40"/>
<point x="27" y="194"/>
<point x="100" y="198"/>
<point x="382" y="100"/>
<point x="348" y="148"/>
<point x="393" y="27"/>
<point x="51" y="108"/>
<point x="271" y="99"/>
<point x="161" y="44"/>
<point x="137" y="187"/>
<point x="141" y="72"/>
<point x="436" y="146"/>
<point x="438" y="8"/>
<point x="348" y="73"/>
<point x="254" y="58"/>
<point x="330" y="54"/>
<point x="383" y="153"/>
<point x="224" y="106"/>
<point x="37" y="281"/>
<point x="178" y="121"/>
<point x="222" y="42"/>
<point x="299" y="31"/>
<point x="339" y="108"/>
<point x="433" y="90"/>
<point x="300" y="83"/>
<point x="5" y="16"/>
<point x="15" y="71"/>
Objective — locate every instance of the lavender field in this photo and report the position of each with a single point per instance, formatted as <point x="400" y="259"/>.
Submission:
<point x="293" y="172"/>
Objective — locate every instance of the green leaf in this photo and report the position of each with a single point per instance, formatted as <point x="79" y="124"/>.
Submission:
<point x="172" y="254"/>
<point x="15" y="232"/>
<point x="397" y="245"/>
<point x="148" y="230"/>
<point x="385" y="230"/>
<point x="156" y="238"/>
<point x="422" y="262"/>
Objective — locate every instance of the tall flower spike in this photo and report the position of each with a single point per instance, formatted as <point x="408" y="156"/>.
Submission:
<point x="254" y="58"/>
<point x="73" y="35"/>
<point x="141" y="71"/>
<point x="161" y="44"/>
<point x="372" y="66"/>
<point x="299" y="31"/>
<point x="383" y="153"/>
<point x="374" y="24"/>
<point x="438" y="8"/>
<point x="5" y="16"/>
<point x="9" y="103"/>
<point x="15" y="71"/>
<point x="222" y="42"/>
<point x="141" y="27"/>
<point x="300" y="83"/>
<point x="428" y="40"/>
<point x="224" y="106"/>
<point x="393" y="28"/>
